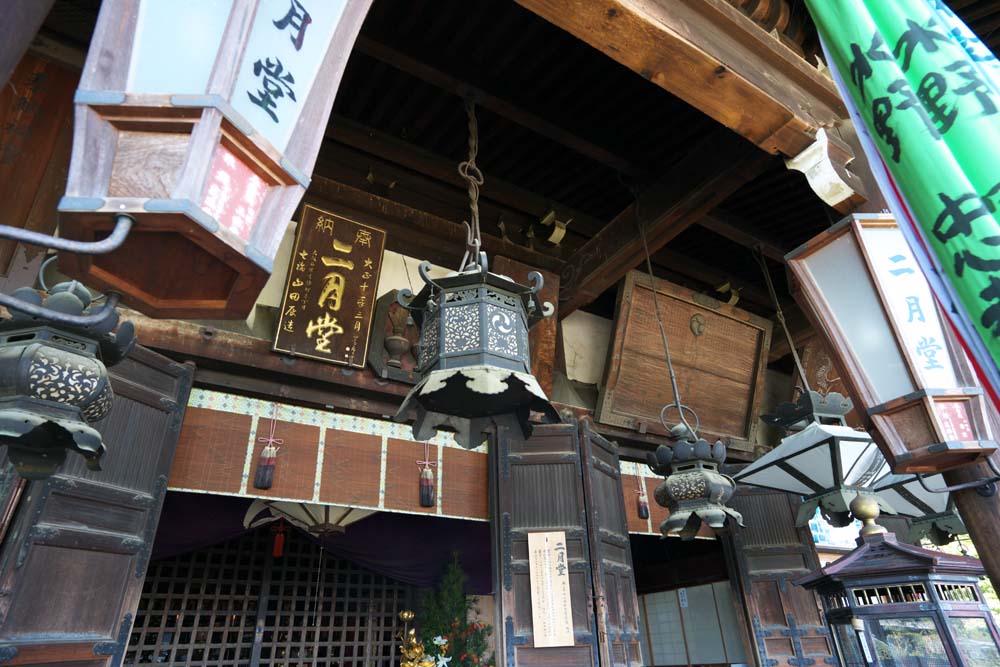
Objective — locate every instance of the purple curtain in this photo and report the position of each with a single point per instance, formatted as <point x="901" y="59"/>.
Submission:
<point x="411" y="548"/>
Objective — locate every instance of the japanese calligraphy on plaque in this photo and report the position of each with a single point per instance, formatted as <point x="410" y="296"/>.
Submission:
<point x="330" y="292"/>
<point x="551" y="611"/>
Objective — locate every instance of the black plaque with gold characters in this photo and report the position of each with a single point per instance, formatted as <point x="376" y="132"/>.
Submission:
<point x="330" y="292"/>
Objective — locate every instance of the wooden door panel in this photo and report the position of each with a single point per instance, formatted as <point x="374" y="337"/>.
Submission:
<point x="786" y="620"/>
<point x="83" y="538"/>
<point x="611" y="555"/>
<point x="539" y="488"/>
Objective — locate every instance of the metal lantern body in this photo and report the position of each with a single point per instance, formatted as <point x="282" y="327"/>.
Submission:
<point x="54" y="384"/>
<point x="200" y="119"/>
<point x="931" y="513"/>
<point x="473" y="357"/>
<point x="889" y="603"/>
<point x="693" y="489"/>
<point x="860" y="286"/>
<point x="827" y="464"/>
<point x="315" y="519"/>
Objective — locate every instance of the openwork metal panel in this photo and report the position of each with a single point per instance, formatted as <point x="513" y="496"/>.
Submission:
<point x="234" y="605"/>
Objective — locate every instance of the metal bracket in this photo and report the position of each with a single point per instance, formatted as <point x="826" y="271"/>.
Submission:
<point x="123" y="225"/>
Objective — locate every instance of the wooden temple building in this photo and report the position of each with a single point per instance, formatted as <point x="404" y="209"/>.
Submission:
<point x="710" y="125"/>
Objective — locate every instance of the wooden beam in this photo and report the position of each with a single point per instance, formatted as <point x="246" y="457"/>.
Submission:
<point x="403" y="153"/>
<point x="711" y="55"/>
<point x="416" y="233"/>
<point x="191" y="340"/>
<point x="714" y="169"/>
<point x="508" y="110"/>
<point x="737" y="231"/>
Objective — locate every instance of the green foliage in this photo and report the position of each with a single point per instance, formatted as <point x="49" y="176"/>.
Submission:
<point x="448" y="613"/>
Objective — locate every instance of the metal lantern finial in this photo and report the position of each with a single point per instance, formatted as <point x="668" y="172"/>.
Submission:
<point x="474" y="358"/>
<point x="53" y="377"/>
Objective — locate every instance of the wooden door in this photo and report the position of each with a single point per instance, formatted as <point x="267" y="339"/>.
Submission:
<point x="770" y="552"/>
<point x="73" y="562"/>
<point x="617" y="605"/>
<point x="538" y="486"/>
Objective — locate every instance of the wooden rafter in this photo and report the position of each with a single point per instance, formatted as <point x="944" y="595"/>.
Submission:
<point x="737" y="231"/>
<point x="501" y="107"/>
<point x="714" y="57"/>
<point x="715" y="168"/>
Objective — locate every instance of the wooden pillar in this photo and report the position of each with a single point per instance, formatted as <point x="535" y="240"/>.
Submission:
<point x="981" y="515"/>
<point x="21" y="20"/>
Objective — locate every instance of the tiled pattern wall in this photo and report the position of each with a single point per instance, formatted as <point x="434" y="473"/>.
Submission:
<point x="328" y="457"/>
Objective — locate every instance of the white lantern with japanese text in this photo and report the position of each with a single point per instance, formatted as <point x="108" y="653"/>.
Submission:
<point x="862" y="289"/>
<point x="200" y="119"/>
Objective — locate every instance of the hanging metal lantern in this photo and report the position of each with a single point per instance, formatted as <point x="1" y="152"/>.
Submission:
<point x="826" y="462"/>
<point x="693" y="489"/>
<point x="474" y="358"/>
<point x="315" y="519"/>
<point x="474" y="354"/>
<point x="927" y="504"/>
<point x="53" y="380"/>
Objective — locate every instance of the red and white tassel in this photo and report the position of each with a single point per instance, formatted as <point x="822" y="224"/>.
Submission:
<point x="264" y="476"/>
<point x="428" y="485"/>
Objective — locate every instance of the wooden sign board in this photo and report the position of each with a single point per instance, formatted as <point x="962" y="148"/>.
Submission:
<point x="330" y="292"/>
<point x="551" y="608"/>
<point x="719" y="354"/>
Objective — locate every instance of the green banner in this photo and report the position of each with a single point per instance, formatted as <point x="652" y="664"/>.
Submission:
<point x="927" y="90"/>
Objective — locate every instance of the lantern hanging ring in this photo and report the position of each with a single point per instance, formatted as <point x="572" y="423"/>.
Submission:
<point x="470" y="172"/>
<point x="680" y="410"/>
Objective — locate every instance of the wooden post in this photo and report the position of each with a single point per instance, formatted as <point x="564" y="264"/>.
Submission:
<point x="981" y="515"/>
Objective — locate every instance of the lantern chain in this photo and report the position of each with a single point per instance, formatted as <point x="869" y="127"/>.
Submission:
<point x="469" y="171"/>
<point x="663" y="335"/>
<point x="780" y="314"/>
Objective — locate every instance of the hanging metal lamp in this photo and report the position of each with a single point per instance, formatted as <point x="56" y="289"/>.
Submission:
<point x="693" y="489"/>
<point x="474" y="360"/>
<point x="54" y="384"/>
<point x="927" y="504"/>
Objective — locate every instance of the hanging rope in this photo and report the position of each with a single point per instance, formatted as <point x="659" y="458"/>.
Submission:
<point x="663" y="336"/>
<point x="470" y="172"/>
<point x="759" y="258"/>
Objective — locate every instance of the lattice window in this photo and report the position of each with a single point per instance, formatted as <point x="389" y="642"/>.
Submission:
<point x="202" y="609"/>
<point x="837" y="600"/>
<point x="865" y="597"/>
<point x="957" y="592"/>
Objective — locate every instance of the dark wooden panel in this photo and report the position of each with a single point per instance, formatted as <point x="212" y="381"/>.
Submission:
<point x="212" y="451"/>
<point x="537" y="486"/>
<point x="611" y="556"/>
<point x="83" y="538"/>
<point x="770" y="552"/>
<point x="719" y="353"/>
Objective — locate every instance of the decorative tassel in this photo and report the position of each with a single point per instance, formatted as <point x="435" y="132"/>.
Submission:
<point x="279" y="539"/>
<point x="264" y="477"/>
<point x="642" y="501"/>
<point x="643" y="505"/>
<point x="428" y="487"/>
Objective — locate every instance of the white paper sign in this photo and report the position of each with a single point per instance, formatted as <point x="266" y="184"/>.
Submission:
<point x="288" y="43"/>
<point x="682" y="597"/>
<point x="551" y="608"/>
<point x="911" y="304"/>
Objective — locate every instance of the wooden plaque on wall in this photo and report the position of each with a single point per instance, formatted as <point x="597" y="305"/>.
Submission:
<point x="719" y="354"/>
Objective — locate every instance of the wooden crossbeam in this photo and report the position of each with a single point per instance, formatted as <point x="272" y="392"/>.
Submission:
<point x="501" y="107"/>
<point x="714" y="57"/>
<point x="737" y="231"/>
<point x="715" y="168"/>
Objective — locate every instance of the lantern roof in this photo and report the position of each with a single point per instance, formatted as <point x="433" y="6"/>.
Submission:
<point x="911" y="498"/>
<point x="819" y="458"/>
<point x="881" y="555"/>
